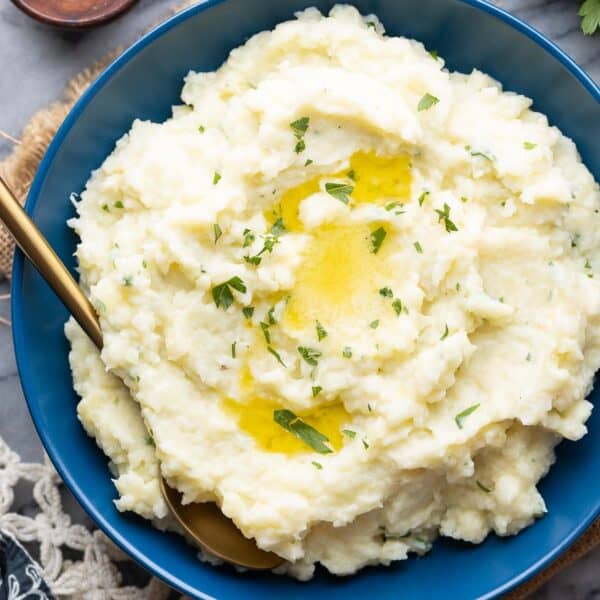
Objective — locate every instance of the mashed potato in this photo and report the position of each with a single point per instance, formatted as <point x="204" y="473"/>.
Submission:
<point x="350" y="296"/>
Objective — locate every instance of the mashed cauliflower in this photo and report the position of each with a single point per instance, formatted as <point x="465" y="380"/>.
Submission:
<point x="347" y="294"/>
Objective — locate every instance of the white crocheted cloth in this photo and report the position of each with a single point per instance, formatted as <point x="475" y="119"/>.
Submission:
<point x="95" y="576"/>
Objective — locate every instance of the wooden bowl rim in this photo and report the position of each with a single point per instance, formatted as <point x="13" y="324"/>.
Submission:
<point x="109" y="14"/>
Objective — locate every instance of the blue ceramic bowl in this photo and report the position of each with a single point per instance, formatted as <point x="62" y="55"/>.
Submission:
<point x="144" y="82"/>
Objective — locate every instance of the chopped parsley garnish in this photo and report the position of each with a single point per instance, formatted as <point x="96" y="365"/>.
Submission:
<point x="271" y="320"/>
<point x="310" y="355"/>
<point x="216" y="177"/>
<point x="575" y="240"/>
<point x="374" y="324"/>
<point x="315" y="390"/>
<point x="118" y="204"/>
<point x="249" y="238"/>
<point x="460" y="417"/>
<point x="386" y="292"/>
<point x="321" y="333"/>
<point x="444" y="215"/>
<point x="529" y="145"/>
<point x="233" y="349"/>
<point x="105" y="208"/>
<point x="445" y="334"/>
<point x="348" y="432"/>
<point x="392" y="205"/>
<point x="365" y="444"/>
<point x="317" y="465"/>
<point x="369" y="408"/>
<point x="222" y="293"/>
<point x="309" y="161"/>
<point x="150" y="441"/>
<point x="351" y="174"/>
<point x="463" y="198"/>
<point x="276" y="355"/>
<point x="347" y="352"/>
<point x="482" y="487"/>
<point x="418" y="247"/>
<point x="426" y="102"/>
<point x="303" y="431"/>
<point x="248" y="311"/>
<point x="377" y="238"/>
<point x="265" y="329"/>
<point x="299" y="127"/>
<point x="397" y="306"/>
<point x="217" y="231"/>
<point x="128" y="280"/>
<point x="253" y="260"/>
<point x="201" y="128"/>
<point x="422" y="197"/>
<point x="434" y="54"/>
<point x="278" y="227"/>
<point x="144" y="264"/>
<point x="340" y="191"/>
<point x="479" y="153"/>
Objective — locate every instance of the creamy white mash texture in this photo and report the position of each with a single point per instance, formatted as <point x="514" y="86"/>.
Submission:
<point x="349" y="295"/>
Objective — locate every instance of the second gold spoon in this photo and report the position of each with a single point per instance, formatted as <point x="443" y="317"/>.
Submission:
<point x="205" y="523"/>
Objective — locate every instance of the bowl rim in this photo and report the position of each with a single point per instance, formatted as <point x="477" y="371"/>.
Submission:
<point x="16" y="288"/>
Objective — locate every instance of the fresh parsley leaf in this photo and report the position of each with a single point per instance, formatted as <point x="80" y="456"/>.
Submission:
<point x="347" y="352"/>
<point x="422" y="197"/>
<point x="386" y="292"/>
<point x="233" y="349"/>
<point x="590" y="16"/>
<point x="418" y="247"/>
<point x="426" y="102"/>
<point x="276" y="355"/>
<point x="265" y="329"/>
<point x="317" y="465"/>
<point x="248" y="311"/>
<point x="278" y="227"/>
<point x="397" y="306"/>
<point x="217" y="231"/>
<point x="310" y="355"/>
<point x="374" y="324"/>
<point x="482" y="487"/>
<point x="216" y="178"/>
<point x="253" y="260"/>
<point x="377" y="238"/>
<point x="303" y="431"/>
<point x="445" y="334"/>
<point x="315" y="390"/>
<point x="460" y="417"/>
<point x="321" y="333"/>
<point x="529" y="145"/>
<point x="444" y="215"/>
<point x="340" y="191"/>
<point x="249" y="238"/>
<point x="348" y="432"/>
<point x="300" y="126"/>
<point x="222" y="293"/>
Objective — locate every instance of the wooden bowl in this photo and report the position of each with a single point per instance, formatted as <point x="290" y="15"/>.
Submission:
<point x="74" y="14"/>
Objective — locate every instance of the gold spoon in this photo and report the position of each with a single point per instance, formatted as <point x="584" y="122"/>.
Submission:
<point x="204" y="522"/>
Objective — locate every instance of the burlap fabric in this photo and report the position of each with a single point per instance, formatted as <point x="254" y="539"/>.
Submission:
<point x="19" y="168"/>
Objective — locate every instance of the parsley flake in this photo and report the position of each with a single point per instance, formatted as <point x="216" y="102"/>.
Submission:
<point x="105" y="208"/>
<point x="397" y="306"/>
<point x="347" y="352"/>
<point x="386" y="292"/>
<point x="377" y="238"/>
<point x="276" y="355"/>
<point x="444" y="215"/>
<point x="310" y="355"/>
<point x="426" y="102"/>
<point x="222" y="293"/>
<point x="340" y="191"/>
<point x="482" y="487"/>
<point x="374" y="324"/>
<point x="248" y="311"/>
<point x="201" y="128"/>
<point x="422" y="197"/>
<point x="128" y="280"/>
<point x="309" y="161"/>
<point x="299" y="127"/>
<point x="460" y="417"/>
<point x="217" y="231"/>
<point x="365" y="444"/>
<point x="249" y="238"/>
<point x="233" y="349"/>
<point x="348" y="432"/>
<point x="418" y="247"/>
<point x="265" y="329"/>
<point x="216" y="177"/>
<point x="321" y="333"/>
<point x="303" y="431"/>
<point x="445" y="334"/>
<point x="317" y="465"/>
<point x="118" y="204"/>
<point x="529" y="145"/>
<point x="316" y="389"/>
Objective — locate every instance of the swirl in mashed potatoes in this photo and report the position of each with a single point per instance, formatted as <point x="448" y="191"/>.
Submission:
<point x="347" y="294"/>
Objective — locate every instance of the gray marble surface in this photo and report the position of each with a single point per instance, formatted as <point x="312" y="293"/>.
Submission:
<point x="37" y="62"/>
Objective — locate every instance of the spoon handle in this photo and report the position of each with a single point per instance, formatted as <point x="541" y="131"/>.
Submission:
<point x="36" y="248"/>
